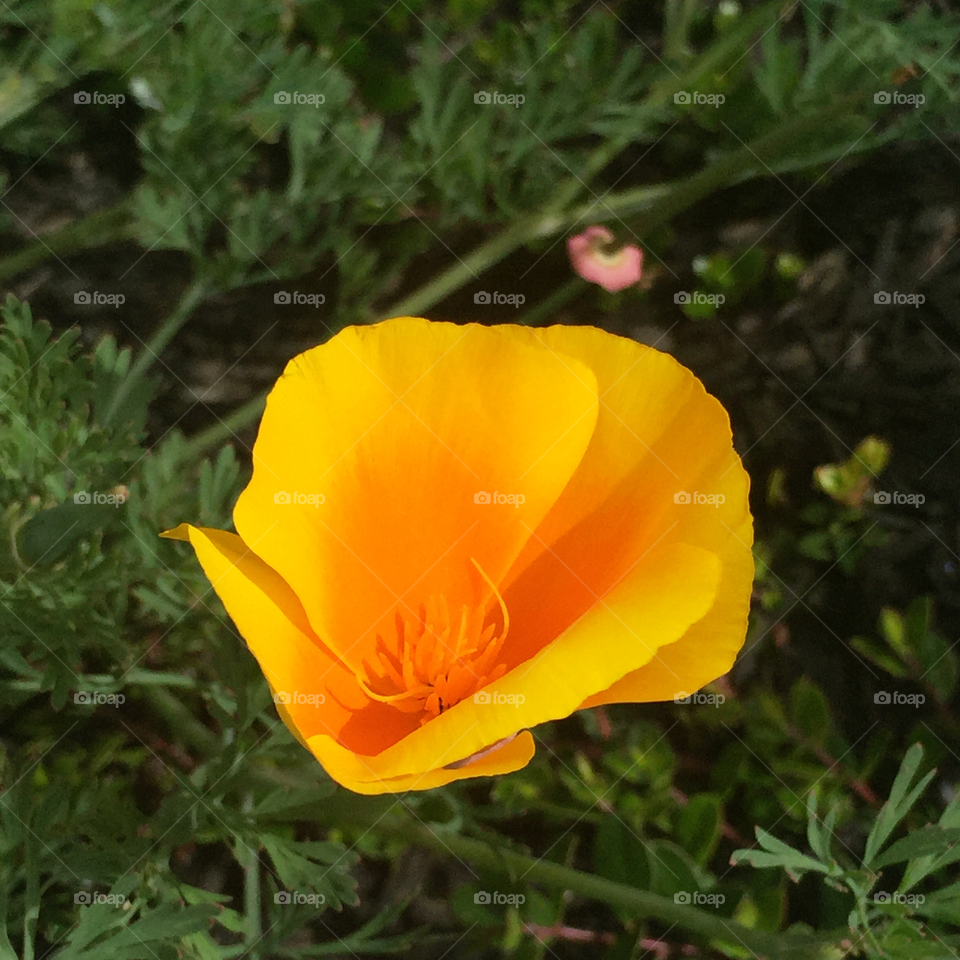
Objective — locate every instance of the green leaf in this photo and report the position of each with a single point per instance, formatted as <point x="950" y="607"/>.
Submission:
<point x="46" y="537"/>
<point x="922" y="866"/>
<point x="285" y="805"/>
<point x="776" y="853"/>
<point x="899" y="804"/>
<point x="313" y="866"/>
<point x="882" y="659"/>
<point x="672" y="870"/>
<point x="810" y="711"/>
<point x="931" y="840"/>
<point x="698" y="826"/>
<point x="619" y="855"/>
<point x="819" y="835"/>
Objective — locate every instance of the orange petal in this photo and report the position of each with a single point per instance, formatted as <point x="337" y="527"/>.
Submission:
<point x="667" y="591"/>
<point x="710" y="646"/>
<point x="343" y="766"/>
<point x="659" y="434"/>
<point x="322" y="695"/>
<point x="399" y="426"/>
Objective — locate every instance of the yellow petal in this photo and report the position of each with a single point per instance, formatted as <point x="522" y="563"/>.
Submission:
<point x="399" y="426"/>
<point x="271" y="619"/>
<point x="668" y="590"/>
<point x="659" y="435"/>
<point x="342" y="765"/>
<point x="710" y="646"/>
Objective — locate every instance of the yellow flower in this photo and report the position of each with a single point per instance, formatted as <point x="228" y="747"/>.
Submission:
<point x="455" y="533"/>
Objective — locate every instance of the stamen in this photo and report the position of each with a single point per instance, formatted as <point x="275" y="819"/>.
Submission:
<point x="439" y="659"/>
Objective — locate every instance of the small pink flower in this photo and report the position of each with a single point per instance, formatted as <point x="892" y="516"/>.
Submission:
<point x="612" y="270"/>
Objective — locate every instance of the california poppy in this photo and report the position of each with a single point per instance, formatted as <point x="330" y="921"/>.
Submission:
<point x="455" y="533"/>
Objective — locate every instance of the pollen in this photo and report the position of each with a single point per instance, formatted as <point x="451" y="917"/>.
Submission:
<point x="439" y="657"/>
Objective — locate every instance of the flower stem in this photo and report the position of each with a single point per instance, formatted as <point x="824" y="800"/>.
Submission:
<point x="514" y="866"/>
<point x="226" y="428"/>
<point x="655" y="205"/>
<point x="103" y="226"/>
<point x="151" y="350"/>
<point x="249" y="857"/>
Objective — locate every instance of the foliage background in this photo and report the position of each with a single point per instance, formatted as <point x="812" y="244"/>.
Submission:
<point x="199" y="198"/>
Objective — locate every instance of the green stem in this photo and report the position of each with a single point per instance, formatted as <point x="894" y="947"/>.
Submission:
<point x="31" y="896"/>
<point x="515" y="867"/>
<point x="378" y="815"/>
<point x="662" y="200"/>
<point x="557" y="299"/>
<point x="151" y="350"/>
<point x="249" y="857"/>
<point x="656" y="205"/>
<point x="225" y="429"/>
<point x="182" y="722"/>
<point x="107" y="225"/>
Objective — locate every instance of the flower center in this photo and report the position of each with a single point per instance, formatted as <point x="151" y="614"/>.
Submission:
<point x="440" y="658"/>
